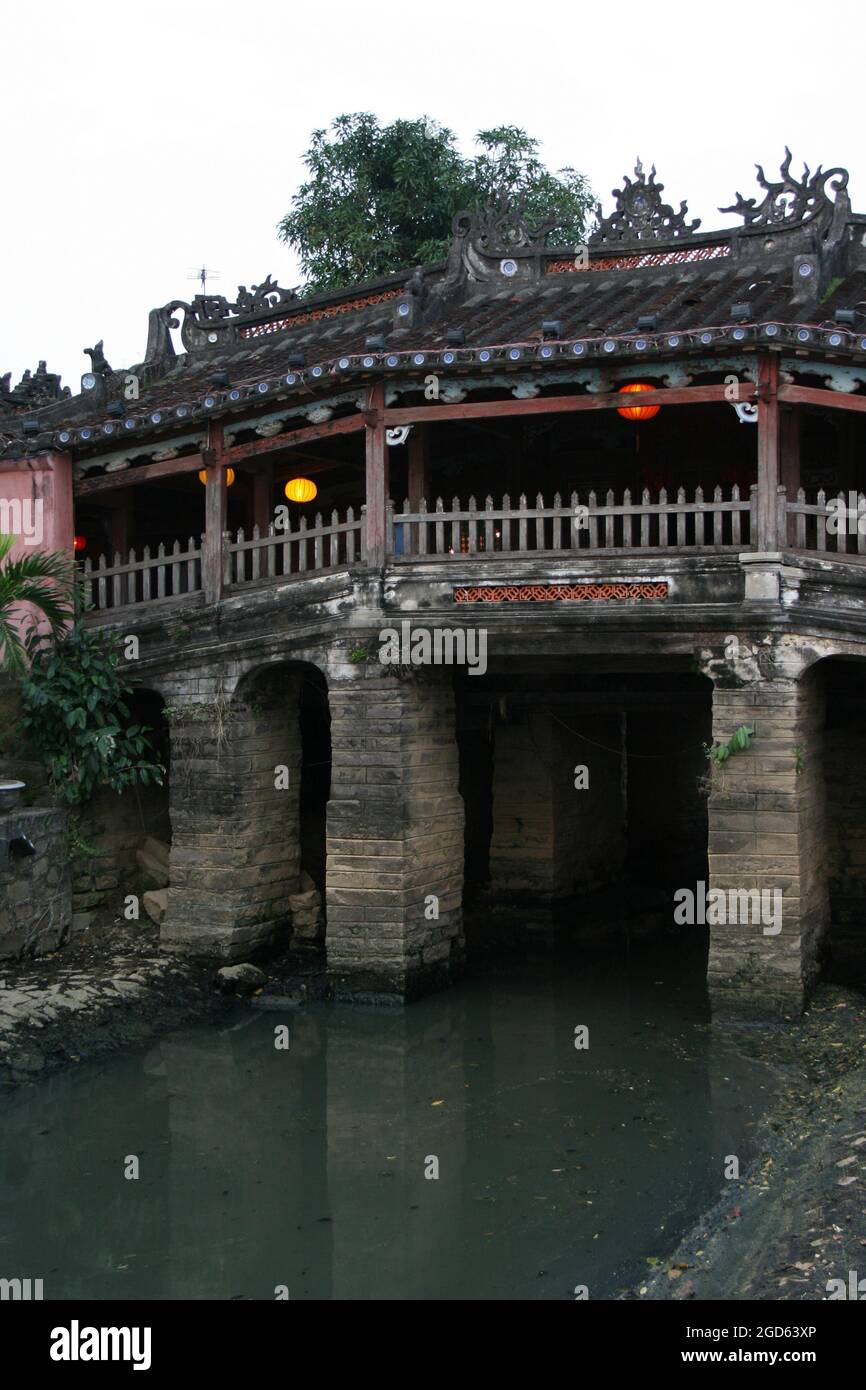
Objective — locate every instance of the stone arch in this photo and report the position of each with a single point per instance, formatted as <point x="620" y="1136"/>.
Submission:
<point x="840" y="681"/>
<point x="236" y="812"/>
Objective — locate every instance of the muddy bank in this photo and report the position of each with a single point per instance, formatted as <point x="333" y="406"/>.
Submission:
<point x="797" y="1217"/>
<point x="109" y="989"/>
<point x="112" y="988"/>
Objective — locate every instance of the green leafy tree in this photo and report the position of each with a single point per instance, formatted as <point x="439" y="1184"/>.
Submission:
<point x="382" y="198"/>
<point x="75" y="717"/>
<point x="43" y="579"/>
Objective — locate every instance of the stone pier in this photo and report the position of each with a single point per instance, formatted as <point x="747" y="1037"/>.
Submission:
<point x="394" y="836"/>
<point x="235" y="850"/>
<point x="766" y="833"/>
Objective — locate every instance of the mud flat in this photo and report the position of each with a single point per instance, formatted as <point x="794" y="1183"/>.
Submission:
<point x="796" y="1221"/>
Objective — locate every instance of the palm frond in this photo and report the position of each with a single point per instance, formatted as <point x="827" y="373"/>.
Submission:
<point x="44" y="579"/>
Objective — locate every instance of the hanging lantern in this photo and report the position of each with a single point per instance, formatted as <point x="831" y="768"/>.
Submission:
<point x="300" y="490"/>
<point x="638" y="412"/>
<point x="79" y="543"/>
<point x="230" y="476"/>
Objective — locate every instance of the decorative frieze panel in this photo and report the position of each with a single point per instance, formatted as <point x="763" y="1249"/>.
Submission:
<point x="547" y="593"/>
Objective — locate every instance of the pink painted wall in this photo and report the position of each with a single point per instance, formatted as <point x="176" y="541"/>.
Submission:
<point x="28" y="482"/>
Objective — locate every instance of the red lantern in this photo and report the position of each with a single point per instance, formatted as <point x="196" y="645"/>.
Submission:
<point x="638" y="412"/>
<point x="79" y="543"/>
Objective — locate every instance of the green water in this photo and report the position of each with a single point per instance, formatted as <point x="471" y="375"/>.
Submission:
<point x="305" y="1168"/>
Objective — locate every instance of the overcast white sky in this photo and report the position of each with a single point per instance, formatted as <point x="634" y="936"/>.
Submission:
<point x="141" y="139"/>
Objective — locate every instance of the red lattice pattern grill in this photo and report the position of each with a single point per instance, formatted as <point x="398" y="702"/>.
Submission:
<point x="545" y="593"/>
<point x="685" y="253"/>
<point x="277" y="325"/>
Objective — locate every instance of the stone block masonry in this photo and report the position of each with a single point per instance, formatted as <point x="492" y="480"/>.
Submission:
<point x="235" y="851"/>
<point x="394" y="836"/>
<point x="114" y="826"/>
<point x="550" y="837"/>
<point x="766" y="831"/>
<point x="35" y="890"/>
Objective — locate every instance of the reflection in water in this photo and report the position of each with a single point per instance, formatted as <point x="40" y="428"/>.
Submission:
<point x="306" y="1168"/>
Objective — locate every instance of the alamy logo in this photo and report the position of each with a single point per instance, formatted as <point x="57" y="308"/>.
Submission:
<point x="20" y="1289"/>
<point x="855" y="1290"/>
<point x="76" y="1343"/>
<point x="441" y="646"/>
<point x="22" y="519"/>
<point x="734" y="906"/>
<point x="847" y="519"/>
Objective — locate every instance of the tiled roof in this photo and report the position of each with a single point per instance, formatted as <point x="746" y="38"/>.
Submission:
<point x="501" y="283"/>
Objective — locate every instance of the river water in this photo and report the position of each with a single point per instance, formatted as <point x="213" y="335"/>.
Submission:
<point x="305" y="1169"/>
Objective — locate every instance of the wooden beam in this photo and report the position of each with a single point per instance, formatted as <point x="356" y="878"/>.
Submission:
<point x="768" y="453"/>
<point x="815" y="395"/>
<point x="551" y="405"/>
<point x="376" y="476"/>
<point x="213" y="458"/>
<point x="348" y="424"/>
<point x="168" y="468"/>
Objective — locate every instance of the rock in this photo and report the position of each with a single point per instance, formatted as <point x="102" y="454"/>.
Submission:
<point x="158" y="850"/>
<point x="301" y="902"/>
<point x="155" y="904"/>
<point x="307" y="884"/>
<point x="152" y="859"/>
<point x="240" y="979"/>
<point x="27" y="1062"/>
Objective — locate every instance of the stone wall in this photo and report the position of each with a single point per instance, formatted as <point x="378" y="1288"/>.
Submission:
<point x="115" y="825"/>
<point x="844" y="761"/>
<point x="766" y="831"/>
<point x="35" y="891"/>
<point x="235" y="847"/>
<point x="395" y="835"/>
<point x="522" y="852"/>
<point x="551" y="838"/>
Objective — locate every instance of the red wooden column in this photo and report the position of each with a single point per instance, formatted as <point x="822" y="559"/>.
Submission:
<point x="768" y="537"/>
<point x="376" y="476"/>
<point x="263" y="495"/>
<point x="119" y="519"/>
<point x="790" y="432"/>
<point x="214" y="514"/>
<point x="419" y="466"/>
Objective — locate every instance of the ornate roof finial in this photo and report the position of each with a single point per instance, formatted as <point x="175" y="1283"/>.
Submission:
<point x="98" y="363"/>
<point x="640" y="214"/>
<point x="791" y="200"/>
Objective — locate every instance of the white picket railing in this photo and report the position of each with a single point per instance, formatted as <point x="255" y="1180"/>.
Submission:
<point x="581" y="524"/>
<point x="168" y="574"/>
<point x="307" y="550"/>
<point x="672" y="523"/>
<point x="829" y="525"/>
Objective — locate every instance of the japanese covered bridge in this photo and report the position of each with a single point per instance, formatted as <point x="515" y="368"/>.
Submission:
<point x="452" y="450"/>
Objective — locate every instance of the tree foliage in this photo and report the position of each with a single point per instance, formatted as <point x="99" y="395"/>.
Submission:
<point x="75" y="717"/>
<point x="381" y="198"/>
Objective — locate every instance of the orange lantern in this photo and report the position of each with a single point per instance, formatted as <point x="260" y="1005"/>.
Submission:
<point x="638" y="412"/>
<point x="79" y="543"/>
<point x="300" y="490"/>
<point x="230" y="476"/>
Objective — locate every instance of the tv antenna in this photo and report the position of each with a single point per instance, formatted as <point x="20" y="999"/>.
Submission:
<point x="202" y="274"/>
